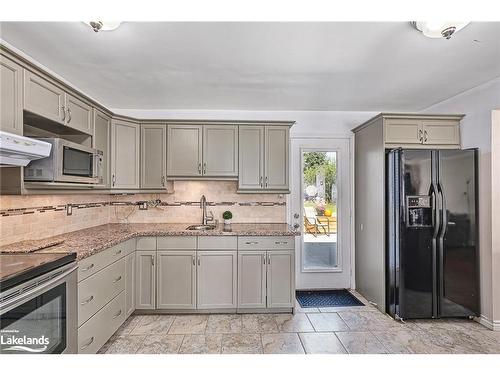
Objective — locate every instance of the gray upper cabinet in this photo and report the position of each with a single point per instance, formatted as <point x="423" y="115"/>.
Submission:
<point x="46" y="99"/>
<point x="251" y="157"/>
<point x="124" y="155"/>
<point x="276" y="157"/>
<point x="264" y="158"/>
<point x="176" y="287"/>
<point x="145" y="284"/>
<point x="184" y="151"/>
<point x="220" y="150"/>
<point x="11" y="110"/>
<point x="100" y="140"/>
<point x="153" y="156"/>
<point x="79" y="115"/>
<point x="217" y="279"/>
<point x="43" y="98"/>
<point x="441" y="132"/>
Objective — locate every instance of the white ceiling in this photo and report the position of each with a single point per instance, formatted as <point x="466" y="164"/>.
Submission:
<point x="263" y="66"/>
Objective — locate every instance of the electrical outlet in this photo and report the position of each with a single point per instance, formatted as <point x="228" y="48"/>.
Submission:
<point x="143" y="205"/>
<point x="69" y="210"/>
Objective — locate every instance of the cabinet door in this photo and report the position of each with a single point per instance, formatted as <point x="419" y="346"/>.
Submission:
<point x="276" y="157"/>
<point x="79" y="115"/>
<point x="124" y="155"/>
<point x="251" y="157"/>
<point x="441" y="132"/>
<point x="11" y="109"/>
<point x="220" y="150"/>
<point x="251" y="279"/>
<point x="129" y="284"/>
<point x="403" y="131"/>
<point x="216" y="279"/>
<point x="280" y="267"/>
<point x="100" y="140"/>
<point x="43" y="98"/>
<point x="184" y="151"/>
<point x="153" y="156"/>
<point x="176" y="280"/>
<point x="145" y="279"/>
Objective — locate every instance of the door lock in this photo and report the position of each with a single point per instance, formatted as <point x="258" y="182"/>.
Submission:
<point x="295" y="216"/>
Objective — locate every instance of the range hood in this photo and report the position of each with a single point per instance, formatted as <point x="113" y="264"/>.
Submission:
<point x="16" y="150"/>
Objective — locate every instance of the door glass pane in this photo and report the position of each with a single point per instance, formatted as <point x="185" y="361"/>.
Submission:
<point x="319" y="182"/>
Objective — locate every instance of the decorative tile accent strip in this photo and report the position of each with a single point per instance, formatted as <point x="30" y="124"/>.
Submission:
<point x="43" y="209"/>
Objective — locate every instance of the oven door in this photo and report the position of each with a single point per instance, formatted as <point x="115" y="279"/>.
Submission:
<point x="77" y="163"/>
<point x="40" y="316"/>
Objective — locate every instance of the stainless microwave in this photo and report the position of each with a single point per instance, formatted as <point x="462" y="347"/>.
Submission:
<point x="67" y="162"/>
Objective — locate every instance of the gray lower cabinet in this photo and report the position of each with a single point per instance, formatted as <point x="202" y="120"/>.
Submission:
<point x="216" y="279"/>
<point x="252" y="279"/>
<point x="145" y="283"/>
<point x="184" y="151"/>
<point x="130" y="284"/>
<point x="220" y="150"/>
<point x="280" y="280"/>
<point x="153" y="156"/>
<point x="125" y="145"/>
<point x="11" y="106"/>
<point x="100" y="140"/>
<point x="176" y="279"/>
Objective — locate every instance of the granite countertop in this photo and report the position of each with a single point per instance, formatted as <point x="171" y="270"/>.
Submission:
<point x="90" y="241"/>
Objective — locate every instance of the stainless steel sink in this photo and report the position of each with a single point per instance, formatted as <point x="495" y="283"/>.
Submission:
<point x="201" y="227"/>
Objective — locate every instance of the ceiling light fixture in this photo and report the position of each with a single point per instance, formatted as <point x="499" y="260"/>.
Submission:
<point x="103" y="25"/>
<point x="435" y="29"/>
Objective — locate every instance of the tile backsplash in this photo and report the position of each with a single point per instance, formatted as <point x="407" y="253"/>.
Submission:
<point x="40" y="216"/>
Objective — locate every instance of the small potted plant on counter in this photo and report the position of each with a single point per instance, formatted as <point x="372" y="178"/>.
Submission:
<point x="227" y="216"/>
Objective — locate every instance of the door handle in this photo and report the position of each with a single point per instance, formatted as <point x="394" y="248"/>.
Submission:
<point x="296" y="225"/>
<point x="296" y="215"/>
<point x="63" y="113"/>
<point x="194" y="260"/>
<point x="88" y="300"/>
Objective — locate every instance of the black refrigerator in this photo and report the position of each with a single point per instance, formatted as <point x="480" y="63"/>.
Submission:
<point x="432" y="247"/>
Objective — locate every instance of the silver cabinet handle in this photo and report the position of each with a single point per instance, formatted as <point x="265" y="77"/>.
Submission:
<point x="263" y="259"/>
<point x="88" y="268"/>
<point x="194" y="260"/>
<point x="162" y="180"/>
<point x="280" y="242"/>
<point x="152" y="260"/>
<point x="113" y="178"/>
<point x="69" y="115"/>
<point x="260" y="181"/>
<point x="425" y="136"/>
<point x="117" y="279"/>
<point x="199" y="261"/>
<point x="63" y="113"/>
<point x="266" y="180"/>
<point x="199" y="168"/>
<point x="269" y="259"/>
<point x="420" y="138"/>
<point x="118" y="252"/>
<point x="204" y="168"/>
<point x="117" y="314"/>
<point x="251" y="243"/>
<point x="88" y="300"/>
<point x="87" y="344"/>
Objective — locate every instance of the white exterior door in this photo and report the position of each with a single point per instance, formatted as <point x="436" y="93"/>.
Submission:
<point x="320" y="206"/>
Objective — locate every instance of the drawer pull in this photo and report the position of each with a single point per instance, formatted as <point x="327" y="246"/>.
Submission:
<point x="117" y="279"/>
<point x="88" y="300"/>
<point x="118" y="252"/>
<point x="251" y="243"/>
<point x="280" y="242"/>
<point x="87" y="344"/>
<point x="263" y="259"/>
<point x="88" y="268"/>
<point x="117" y="314"/>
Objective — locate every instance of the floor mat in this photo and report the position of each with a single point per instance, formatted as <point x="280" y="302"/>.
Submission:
<point x="327" y="298"/>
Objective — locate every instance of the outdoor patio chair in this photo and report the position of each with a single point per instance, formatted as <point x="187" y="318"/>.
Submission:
<point x="312" y="224"/>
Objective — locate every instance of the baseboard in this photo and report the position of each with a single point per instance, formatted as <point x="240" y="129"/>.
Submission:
<point x="494" y="325"/>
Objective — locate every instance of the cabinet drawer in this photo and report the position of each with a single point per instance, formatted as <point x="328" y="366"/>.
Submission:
<point x="146" y="243"/>
<point x="89" y="266"/>
<point x="99" y="289"/>
<point x="177" y="243"/>
<point x="266" y="242"/>
<point x="217" y="243"/>
<point x="97" y="330"/>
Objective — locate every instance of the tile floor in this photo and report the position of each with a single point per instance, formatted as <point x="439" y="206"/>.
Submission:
<point x="319" y="331"/>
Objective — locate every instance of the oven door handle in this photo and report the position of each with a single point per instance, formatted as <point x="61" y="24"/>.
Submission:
<point x="40" y="289"/>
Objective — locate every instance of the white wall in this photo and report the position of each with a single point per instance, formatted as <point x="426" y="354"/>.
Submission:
<point x="477" y="104"/>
